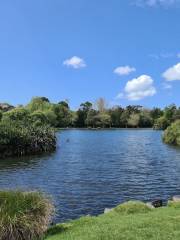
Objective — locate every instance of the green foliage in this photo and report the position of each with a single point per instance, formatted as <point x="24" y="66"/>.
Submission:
<point x="63" y="115"/>
<point x="51" y="117"/>
<point x="132" y="207"/>
<point x="38" y="118"/>
<point x="82" y="113"/>
<point x="172" y="134"/>
<point x="161" y="123"/>
<point x="24" y="215"/>
<point x="17" y="114"/>
<point x="133" y="120"/>
<point x="92" y="119"/>
<point x="39" y="104"/>
<point x="21" y="139"/>
<point x="116" y="116"/>
<point x="156" y="113"/>
<point x="41" y="111"/>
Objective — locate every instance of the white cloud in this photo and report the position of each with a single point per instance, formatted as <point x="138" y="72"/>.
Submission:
<point x="120" y="96"/>
<point x="124" y="70"/>
<point x="167" y="86"/>
<point x="156" y="3"/>
<point x="172" y="73"/>
<point x="163" y="55"/>
<point x="75" y="62"/>
<point x="139" y="88"/>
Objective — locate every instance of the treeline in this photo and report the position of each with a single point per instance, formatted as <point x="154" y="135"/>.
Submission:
<point x="40" y="111"/>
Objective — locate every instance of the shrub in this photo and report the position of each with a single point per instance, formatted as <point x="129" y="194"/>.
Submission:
<point x="132" y="207"/>
<point x="24" y="215"/>
<point x="38" y="118"/>
<point x="172" y="134"/>
<point x="161" y="123"/>
<point x="20" y="139"/>
<point x="17" y="114"/>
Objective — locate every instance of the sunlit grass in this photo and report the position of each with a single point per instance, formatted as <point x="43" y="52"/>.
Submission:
<point x="131" y="221"/>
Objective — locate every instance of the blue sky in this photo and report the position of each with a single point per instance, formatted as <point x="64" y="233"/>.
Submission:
<point x="123" y="50"/>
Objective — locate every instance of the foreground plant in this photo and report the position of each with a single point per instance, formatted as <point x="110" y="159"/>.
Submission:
<point x="24" y="215"/>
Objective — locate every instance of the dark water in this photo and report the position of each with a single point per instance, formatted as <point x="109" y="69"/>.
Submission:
<point x="92" y="170"/>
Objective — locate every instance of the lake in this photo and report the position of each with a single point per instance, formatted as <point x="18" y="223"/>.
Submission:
<point x="92" y="170"/>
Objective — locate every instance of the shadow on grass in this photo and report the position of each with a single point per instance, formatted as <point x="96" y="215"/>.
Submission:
<point x="59" y="228"/>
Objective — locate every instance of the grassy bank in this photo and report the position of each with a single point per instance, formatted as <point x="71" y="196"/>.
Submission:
<point x="128" y="222"/>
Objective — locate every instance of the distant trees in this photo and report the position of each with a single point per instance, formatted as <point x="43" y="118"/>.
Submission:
<point x="41" y="111"/>
<point x="133" y="120"/>
<point x="82" y="113"/>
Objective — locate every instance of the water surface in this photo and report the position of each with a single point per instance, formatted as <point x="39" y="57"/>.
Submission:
<point x="92" y="170"/>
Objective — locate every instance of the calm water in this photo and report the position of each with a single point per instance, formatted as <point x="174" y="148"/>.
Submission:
<point x="92" y="170"/>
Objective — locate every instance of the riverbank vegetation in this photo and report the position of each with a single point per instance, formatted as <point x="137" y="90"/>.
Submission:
<point x="172" y="134"/>
<point x="17" y="139"/>
<point x="24" y="215"/>
<point x="129" y="221"/>
<point x="30" y="129"/>
<point x="90" y="115"/>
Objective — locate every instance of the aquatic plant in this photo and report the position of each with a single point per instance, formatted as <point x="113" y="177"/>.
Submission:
<point x="19" y="138"/>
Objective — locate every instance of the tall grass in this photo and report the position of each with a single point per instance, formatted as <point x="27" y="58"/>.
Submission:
<point x="24" y="215"/>
<point x="18" y="139"/>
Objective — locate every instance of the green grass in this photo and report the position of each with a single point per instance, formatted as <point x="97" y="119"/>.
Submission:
<point x="131" y="221"/>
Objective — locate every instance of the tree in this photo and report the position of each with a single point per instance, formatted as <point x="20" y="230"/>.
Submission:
<point x="124" y="119"/>
<point x="64" y="103"/>
<point x="104" y="120"/>
<point x="169" y="112"/>
<point x="156" y="113"/>
<point x="115" y="114"/>
<point x="17" y="114"/>
<point x="82" y="114"/>
<point x="39" y="104"/>
<point x="101" y="104"/>
<point x="145" y="119"/>
<point x="92" y="119"/>
<point x="4" y="107"/>
<point x="63" y="115"/>
<point x="38" y="118"/>
<point x="51" y="117"/>
<point x="134" y="120"/>
<point x="133" y="109"/>
<point x="161" y="123"/>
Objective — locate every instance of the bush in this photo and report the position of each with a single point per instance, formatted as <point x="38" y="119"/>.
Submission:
<point x="17" y="114"/>
<point x="38" y="118"/>
<point x="172" y="134"/>
<point x="132" y="207"/>
<point x="161" y="123"/>
<point x="20" y="139"/>
<point x="24" y="215"/>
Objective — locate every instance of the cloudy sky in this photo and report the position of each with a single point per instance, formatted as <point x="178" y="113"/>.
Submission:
<point x="126" y="51"/>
